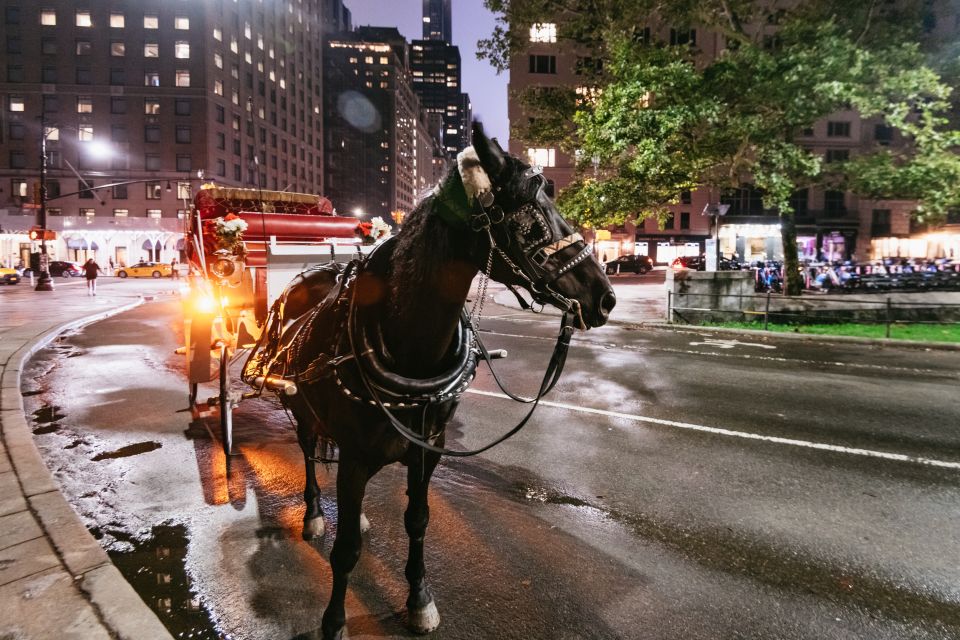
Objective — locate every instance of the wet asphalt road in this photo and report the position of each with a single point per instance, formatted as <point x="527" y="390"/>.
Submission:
<point x="681" y="485"/>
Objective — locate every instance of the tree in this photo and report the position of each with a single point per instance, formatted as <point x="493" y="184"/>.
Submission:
<point x="662" y="118"/>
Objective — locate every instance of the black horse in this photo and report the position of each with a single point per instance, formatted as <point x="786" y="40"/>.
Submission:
<point x="384" y="348"/>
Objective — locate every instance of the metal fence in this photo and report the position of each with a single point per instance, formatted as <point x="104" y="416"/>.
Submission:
<point x="696" y="308"/>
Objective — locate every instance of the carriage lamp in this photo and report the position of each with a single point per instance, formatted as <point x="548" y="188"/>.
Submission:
<point x="223" y="267"/>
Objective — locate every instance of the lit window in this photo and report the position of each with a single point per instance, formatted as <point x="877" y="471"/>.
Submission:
<point x="151" y="22"/>
<point x="151" y="50"/>
<point x="121" y="213"/>
<point x="83" y="18"/>
<point x="247" y="33"/>
<point x="543" y="32"/>
<point x="183" y="190"/>
<point x="233" y="45"/>
<point x="217" y="34"/>
<point x="151" y="106"/>
<point x="84" y="104"/>
<point x="51" y="133"/>
<point x="248" y="58"/>
<point x="260" y="42"/>
<point x="384" y="60"/>
<point x="151" y="79"/>
<point x="218" y="61"/>
<point x="181" y="49"/>
<point x="182" y="78"/>
<point x="85" y="132"/>
<point x="118" y="49"/>
<point x="154" y="213"/>
<point x="218" y="87"/>
<point x="542" y="157"/>
<point x="48" y="18"/>
<point x="368" y="59"/>
<point x="84" y="47"/>
<point x="182" y="23"/>
<point x="88" y="212"/>
<point x="117" y="21"/>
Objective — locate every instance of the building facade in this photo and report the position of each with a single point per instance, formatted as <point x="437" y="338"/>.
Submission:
<point x="831" y="225"/>
<point x="159" y="95"/>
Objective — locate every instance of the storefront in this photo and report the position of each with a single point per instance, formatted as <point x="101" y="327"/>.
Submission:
<point x="665" y="249"/>
<point x="751" y="242"/>
<point x="929" y="246"/>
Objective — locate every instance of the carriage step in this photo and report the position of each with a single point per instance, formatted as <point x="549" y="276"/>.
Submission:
<point x="496" y="354"/>
<point x="278" y="385"/>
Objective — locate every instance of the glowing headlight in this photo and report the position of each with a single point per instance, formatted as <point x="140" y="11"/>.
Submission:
<point x="205" y="303"/>
<point x="223" y="267"/>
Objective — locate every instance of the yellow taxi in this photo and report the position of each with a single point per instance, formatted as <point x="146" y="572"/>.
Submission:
<point x="9" y="276"/>
<point x="145" y="270"/>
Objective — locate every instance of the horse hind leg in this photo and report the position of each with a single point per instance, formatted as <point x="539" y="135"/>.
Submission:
<point x="422" y="614"/>
<point x="313" y="524"/>
<point x="352" y="477"/>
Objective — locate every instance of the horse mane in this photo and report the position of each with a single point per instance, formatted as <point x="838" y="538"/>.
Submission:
<point x="423" y="247"/>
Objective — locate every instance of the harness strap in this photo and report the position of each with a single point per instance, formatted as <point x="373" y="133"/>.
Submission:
<point x="550" y="377"/>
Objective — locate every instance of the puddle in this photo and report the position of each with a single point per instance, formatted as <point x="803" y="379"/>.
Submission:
<point x="127" y="451"/>
<point x="47" y="414"/>
<point x="156" y="569"/>
<point x="50" y="428"/>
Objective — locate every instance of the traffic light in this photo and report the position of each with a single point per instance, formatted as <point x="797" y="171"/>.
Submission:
<point x="36" y="233"/>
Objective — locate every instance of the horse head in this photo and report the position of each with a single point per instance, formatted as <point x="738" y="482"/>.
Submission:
<point x="533" y="247"/>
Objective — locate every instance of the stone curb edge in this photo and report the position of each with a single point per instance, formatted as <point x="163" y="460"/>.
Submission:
<point x="121" y="609"/>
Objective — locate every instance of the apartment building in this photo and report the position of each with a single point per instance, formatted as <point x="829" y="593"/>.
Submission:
<point x="831" y="225"/>
<point x="159" y="94"/>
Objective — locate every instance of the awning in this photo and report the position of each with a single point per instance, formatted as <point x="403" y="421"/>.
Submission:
<point x="76" y="243"/>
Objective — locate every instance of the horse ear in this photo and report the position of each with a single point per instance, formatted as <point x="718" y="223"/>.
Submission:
<point x="489" y="151"/>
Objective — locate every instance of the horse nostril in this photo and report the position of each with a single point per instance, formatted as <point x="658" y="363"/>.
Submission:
<point x="607" y="303"/>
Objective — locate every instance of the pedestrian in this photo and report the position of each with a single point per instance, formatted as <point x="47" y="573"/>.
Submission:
<point x="174" y="269"/>
<point x="91" y="269"/>
<point x="110" y="265"/>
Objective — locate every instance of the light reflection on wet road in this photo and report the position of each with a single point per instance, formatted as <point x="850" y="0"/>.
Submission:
<point x="580" y="527"/>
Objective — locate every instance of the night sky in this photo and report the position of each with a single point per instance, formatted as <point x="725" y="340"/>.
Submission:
<point x="471" y="22"/>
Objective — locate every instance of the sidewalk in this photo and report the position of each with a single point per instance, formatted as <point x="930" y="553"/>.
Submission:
<point x="55" y="579"/>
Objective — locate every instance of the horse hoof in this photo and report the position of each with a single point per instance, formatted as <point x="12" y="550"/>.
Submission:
<point x="364" y="523"/>
<point x="424" y="620"/>
<point x="313" y="528"/>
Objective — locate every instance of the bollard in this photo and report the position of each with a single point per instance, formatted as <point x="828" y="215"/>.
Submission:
<point x="889" y="315"/>
<point x="31" y="278"/>
<point x="766" y="313"/>
<point x="670" y="306"/>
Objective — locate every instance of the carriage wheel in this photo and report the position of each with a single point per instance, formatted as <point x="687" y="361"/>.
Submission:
<point x="226" y="409"/>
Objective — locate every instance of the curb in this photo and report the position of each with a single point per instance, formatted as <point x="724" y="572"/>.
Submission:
<point x="119" y="608"/>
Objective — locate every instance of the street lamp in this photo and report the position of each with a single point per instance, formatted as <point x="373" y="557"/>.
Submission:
<point x="96" y="149"/>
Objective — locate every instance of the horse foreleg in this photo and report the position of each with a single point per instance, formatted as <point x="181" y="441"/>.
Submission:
<point x="352" y="479"/>
<point x="422" y="614"/>
<point x="313" y="525"/>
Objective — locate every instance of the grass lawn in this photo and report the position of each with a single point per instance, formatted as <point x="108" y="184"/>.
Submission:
<point x="920" y="332"/>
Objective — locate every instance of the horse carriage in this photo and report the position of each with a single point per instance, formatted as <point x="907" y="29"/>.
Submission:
<point x="372" y="357"/>
<point x="243" y="247"/>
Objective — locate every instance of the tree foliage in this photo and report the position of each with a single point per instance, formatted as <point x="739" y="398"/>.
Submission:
<point x="667" y="118"/>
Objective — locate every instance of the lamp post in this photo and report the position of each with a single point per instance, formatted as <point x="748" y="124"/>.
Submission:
<point x="45" y="282"/>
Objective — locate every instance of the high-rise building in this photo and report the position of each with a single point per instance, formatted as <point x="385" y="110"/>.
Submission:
<point x="436" y="20"/>
<point x="175" y="92"/>
<point x="435" y="64"/>
<point x="380" y="153"/>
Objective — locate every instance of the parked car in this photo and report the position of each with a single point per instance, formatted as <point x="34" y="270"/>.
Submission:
<point x="630" y="263"/>
<point x="65" y="269"/>
<point x="145" y="270"/>
<point x="694" y="263"/>
<point x="9" y="275"/>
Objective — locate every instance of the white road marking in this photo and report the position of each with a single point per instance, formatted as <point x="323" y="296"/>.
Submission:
<point x="746" y="435"/>
<point x="729" y="344"/>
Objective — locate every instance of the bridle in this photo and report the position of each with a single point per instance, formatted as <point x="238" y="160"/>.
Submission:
<point x="543" y="256"/>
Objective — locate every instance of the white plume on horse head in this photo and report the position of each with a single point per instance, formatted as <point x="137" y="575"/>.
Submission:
<point x="475" y="178"/>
